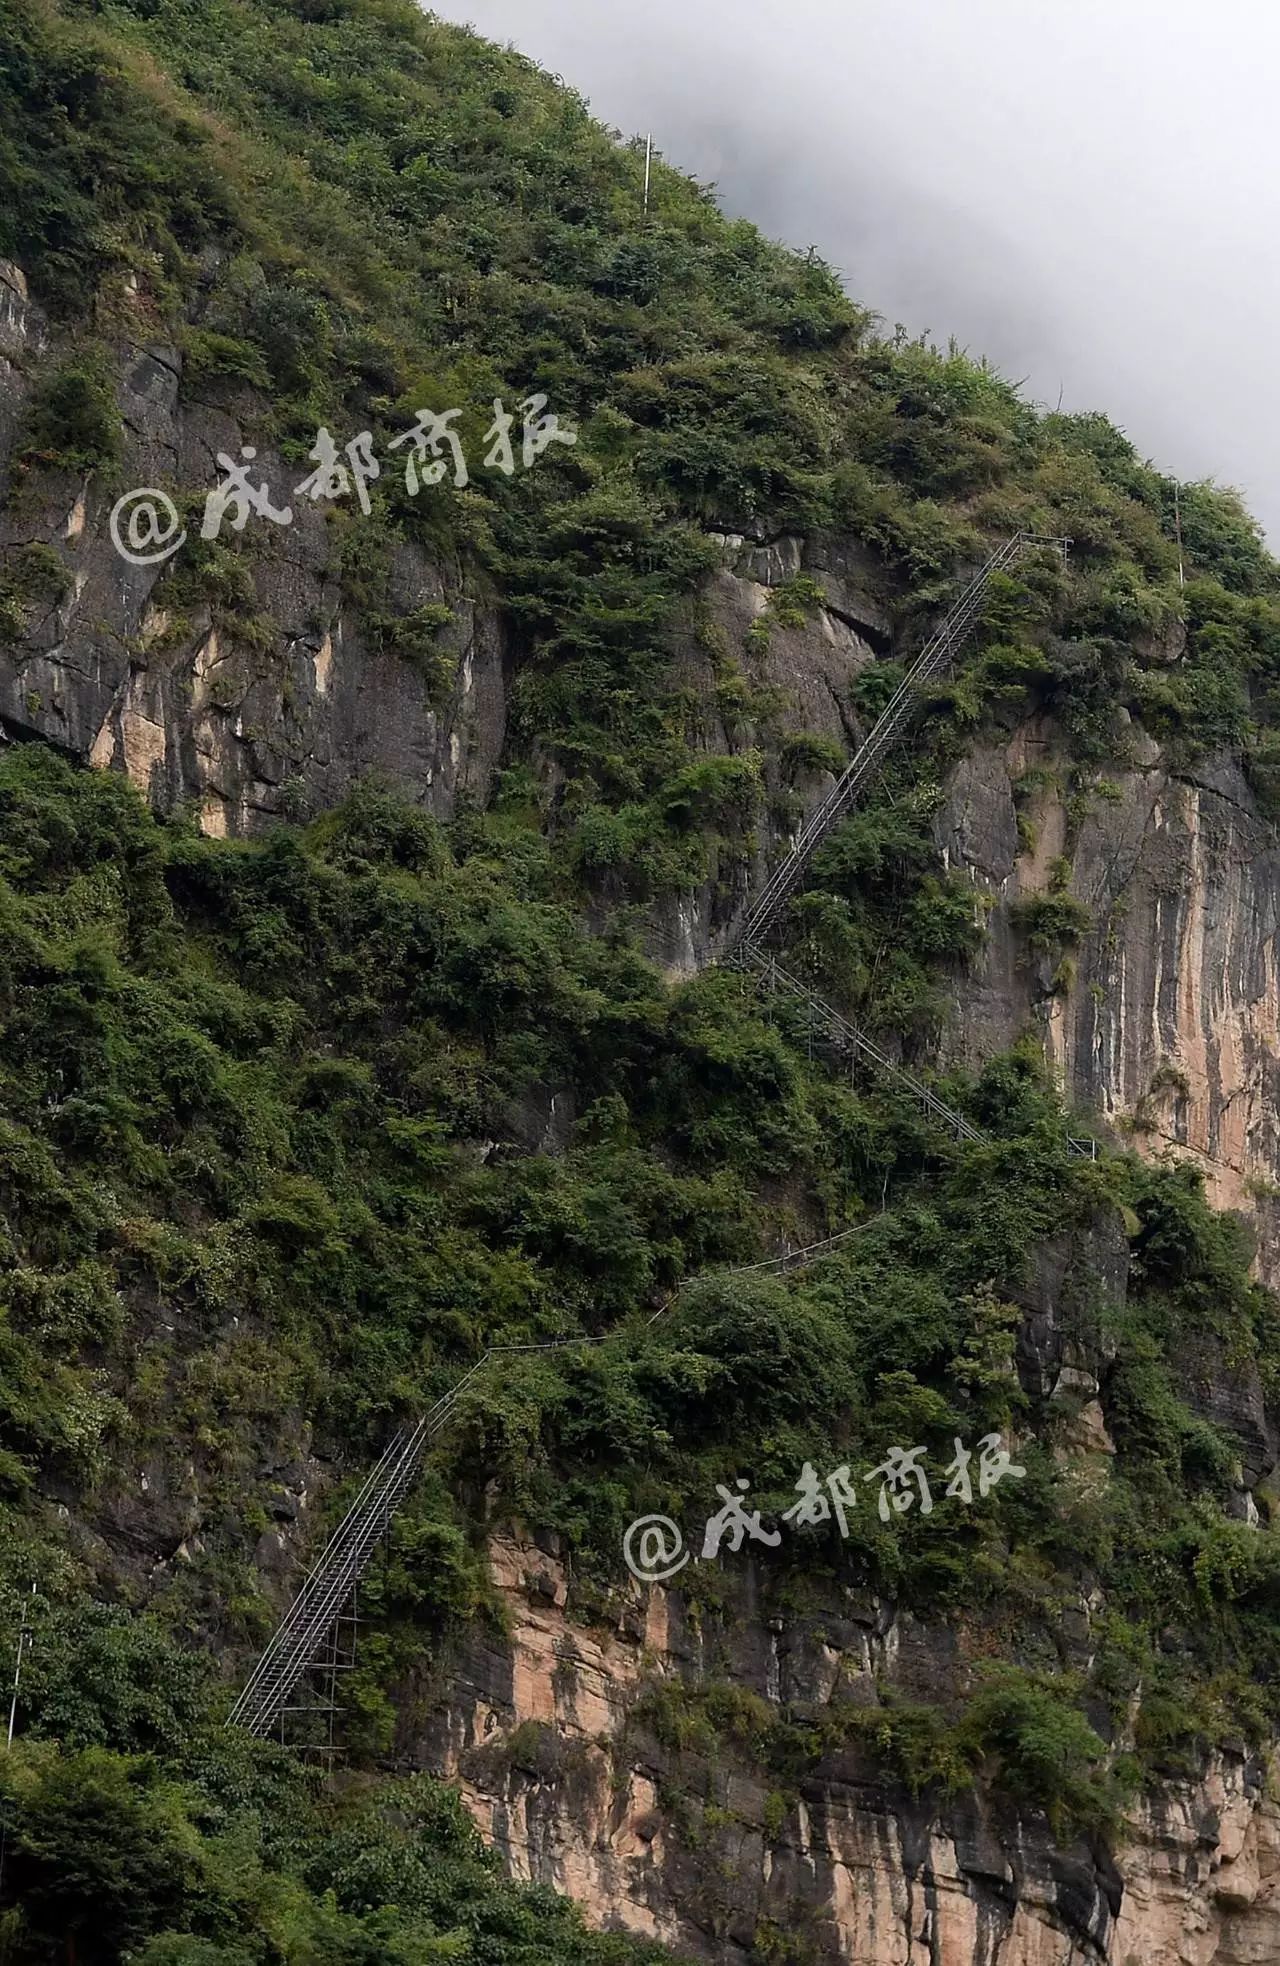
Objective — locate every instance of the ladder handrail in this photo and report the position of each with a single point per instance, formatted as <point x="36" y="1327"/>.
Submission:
<point x="314" y="1608"/>
<point x="941" y="647"/>
<point x="851" y="1039"/>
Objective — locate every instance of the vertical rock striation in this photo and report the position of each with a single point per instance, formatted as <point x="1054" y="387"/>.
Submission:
<point x="544" y="1730"/>
<point x="1165" y="1020"/>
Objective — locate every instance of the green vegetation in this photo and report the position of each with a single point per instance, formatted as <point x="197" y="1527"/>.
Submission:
<point x="1055" y="919"/>
<point x="255" y="1078"/>
<point x="72" y="423"/>
<point x="403" y="215"/>
<point x="145" y="1831"/>
<point x="1022" y="1730"/>
<point x="291" y="1131"/>
<point x="30" y="577"/>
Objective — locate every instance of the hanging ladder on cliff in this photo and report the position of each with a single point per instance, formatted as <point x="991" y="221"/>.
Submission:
<point x="845" y="1037"/>
<point x="303" y="1631"/>
<point x="852" y="1043"/>
<point x="743" y="949"/>
<point x="307" y="1627"/>
<point x="938" y="653"/>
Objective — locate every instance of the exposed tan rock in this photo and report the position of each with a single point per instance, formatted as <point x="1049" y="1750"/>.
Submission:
<point x="1171" y="1027"/>
<point x="857" y="1871"/>
<point x="1170" y="1030"/>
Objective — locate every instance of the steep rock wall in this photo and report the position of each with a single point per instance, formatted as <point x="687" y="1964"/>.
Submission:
<point x="544" y="1719"/>
<point x="273" y="708"/>
<point x="540" y="1730"/>
<point x="1166" y="1020"/>
<point x="248" y="715"/>
<point x="1169" y="1023"/>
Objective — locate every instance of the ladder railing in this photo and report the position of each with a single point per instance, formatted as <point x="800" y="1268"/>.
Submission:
<point x="938" y="653"/>
<point x="310" y="1618"/>
<point x="852" y="1042"/>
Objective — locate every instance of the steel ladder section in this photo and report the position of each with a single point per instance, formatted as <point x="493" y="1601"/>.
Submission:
<point x="308" y="1620"/>
<point x="853" y="1042"/>
<point x="936" y="655"/>
<point x="306" y="1623"/>
<point x="319" y="1603"/>
<point x="856" y="1044"/>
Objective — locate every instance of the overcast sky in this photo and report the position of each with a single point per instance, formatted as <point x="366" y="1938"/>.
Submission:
<point x="1087" y="191"/>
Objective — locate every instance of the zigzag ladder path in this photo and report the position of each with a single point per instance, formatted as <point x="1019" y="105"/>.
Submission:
<point x="311" y="1619"/>
<point x="307" y="1624"/>
<point x="744" y="946"/>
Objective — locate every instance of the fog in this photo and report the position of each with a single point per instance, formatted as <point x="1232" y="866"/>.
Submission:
<point x="1087" y="192"/>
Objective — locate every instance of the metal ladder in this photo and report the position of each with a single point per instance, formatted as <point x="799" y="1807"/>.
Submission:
<point x="742" y="948"/>
<point x="847" y="1039"/>
<point x="938" y="653"/>
<point x="852" y="1042"/>
<point x="304" y="1630"/>
<point x="305" y="1627"/>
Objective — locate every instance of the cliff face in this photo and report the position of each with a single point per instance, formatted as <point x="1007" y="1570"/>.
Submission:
<point x="548" y="1723"/>
<point x="1166" y="1023"/>
<point x="695" y="1850"/>
<point x="193" y="704"/>
<point x="1168" y="1029"/>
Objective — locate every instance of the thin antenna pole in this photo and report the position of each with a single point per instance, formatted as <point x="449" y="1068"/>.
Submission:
<point x="1177" y="527"/>
<point x="23" y="1635"/>
<point x="648" y="158"/>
